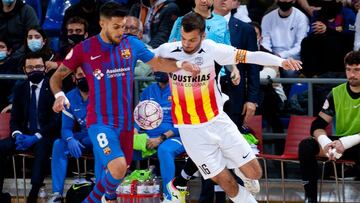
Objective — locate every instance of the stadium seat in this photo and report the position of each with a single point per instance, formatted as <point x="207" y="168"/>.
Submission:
<point x="54" y="17"/>
<point x="299" y="129"/>
<point x="298" y="88"/>
<point x="4" y="125"/>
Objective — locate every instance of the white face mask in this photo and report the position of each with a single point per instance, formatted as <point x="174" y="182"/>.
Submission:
<point x="35" y="44"/>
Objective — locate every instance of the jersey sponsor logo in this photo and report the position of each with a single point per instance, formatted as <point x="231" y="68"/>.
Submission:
<point x="94" y="57"/>
<point x="69" y="55"/>
<point x="117" y="72"/>
<point x="126" y="53"/>
<point x="190" y="81"/>
<point x="98" y="74"/>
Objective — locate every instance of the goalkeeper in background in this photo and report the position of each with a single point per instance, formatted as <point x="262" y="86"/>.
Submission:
<point x="344" y="103"/>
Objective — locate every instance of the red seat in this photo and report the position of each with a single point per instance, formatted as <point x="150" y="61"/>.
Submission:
<point x="4" y="125"/>
<point x="299" y="129"/>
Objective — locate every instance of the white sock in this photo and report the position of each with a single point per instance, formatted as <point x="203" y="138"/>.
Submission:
<point x="185" y="175"/>
<point x="243" y="196"/>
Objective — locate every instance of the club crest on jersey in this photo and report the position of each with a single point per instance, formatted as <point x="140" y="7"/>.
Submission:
<point x="98" y="74"/>
<point x="107" y="150"/>
<point x="125" y="53"/>
<point x="199" y="60"/>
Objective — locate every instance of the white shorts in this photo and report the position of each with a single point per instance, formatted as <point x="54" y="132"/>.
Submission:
<point x="216" y="146"/>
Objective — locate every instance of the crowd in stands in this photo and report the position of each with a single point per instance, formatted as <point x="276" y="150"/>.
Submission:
<point x="318" y="32"/>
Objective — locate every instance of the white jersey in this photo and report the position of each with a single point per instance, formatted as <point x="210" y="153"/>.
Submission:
<point x="197" y="99"/>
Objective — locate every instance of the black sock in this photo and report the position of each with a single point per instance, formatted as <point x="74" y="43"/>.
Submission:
<point x="180" y="181"/>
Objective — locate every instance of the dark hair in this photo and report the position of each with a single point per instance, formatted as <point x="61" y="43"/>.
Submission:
<point x="193" y="21"/>
<point x="78" y="20"/>
<point x="6" y="42"/>
<point x="352" y="58"/>
<point x="45" y="50"/>
<point x="33" y="55"/>
<point x="113" y="9"/>
<point x="256" y="25"/>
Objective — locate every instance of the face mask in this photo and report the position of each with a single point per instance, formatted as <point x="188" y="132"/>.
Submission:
<point x="75" y="39"/>
<point x="35" y="44"/>
<point x="8" y="2"/>
<point x="284" y="6"/>
<point x="3" y="55"/>
<point x="82" y="84"/>
<point x="36" y="76"/>
<point x="161" y="77"/>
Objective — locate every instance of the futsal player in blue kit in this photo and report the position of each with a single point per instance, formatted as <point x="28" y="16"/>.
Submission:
<point x="71" y="144"/>
<point x="108" y="61"/>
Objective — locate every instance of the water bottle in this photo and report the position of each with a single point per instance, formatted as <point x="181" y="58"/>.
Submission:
<point x="156" y="186"/>
<point x="42" y="195"/>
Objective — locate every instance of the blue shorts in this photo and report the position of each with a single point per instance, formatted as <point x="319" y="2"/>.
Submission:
<point x="106" y="142"/>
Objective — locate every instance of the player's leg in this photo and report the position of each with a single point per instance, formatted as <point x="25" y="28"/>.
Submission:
<point x="308" y="149"/>
<point x="239" y="155"/>
<point x="203" y="146"/>
<point x="59" y="164"/>
<point x="236" y="192"/>
<point x="106" y="146"/>
<point x="167" y="152"/>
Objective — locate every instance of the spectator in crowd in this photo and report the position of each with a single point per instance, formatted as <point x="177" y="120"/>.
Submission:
<point x="15" y="20"/>
<point x="158" y="19"/>
<point x="322" y="52"/>
<point x="33" y="123"/>
<point x="71" y="143"/>
<point x="342" y="102"/>
<point x="76" y="31"/>
<point x="87" y="10"/>
<point x="164" y="138"/>
<point x="216" y="25"/>
<point x="283" y="29"/>
<point x="134" y="26"/>
<point x="7" y="64"/>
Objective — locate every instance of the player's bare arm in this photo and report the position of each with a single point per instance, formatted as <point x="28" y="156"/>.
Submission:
<point x="266" y="59"/>
<point x="171" y="65"/>
<point x="56" y="85"/>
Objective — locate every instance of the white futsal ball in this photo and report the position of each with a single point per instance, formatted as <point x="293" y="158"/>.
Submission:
<point x="148" y="114"/>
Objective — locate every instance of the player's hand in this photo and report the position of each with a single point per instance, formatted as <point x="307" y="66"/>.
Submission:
<point x="291" y="64"/>
<point x="340" y="149"/>
<point x="235" y="76"/>
<point x="311" y="9"/>
<point x="50" y="65"/>
<point x="60" y="104"/>
<point x="193" y="68"/>
<point x="249" y="111"/>
<point x="153" y="143"/>
<point x="74" y="148"/>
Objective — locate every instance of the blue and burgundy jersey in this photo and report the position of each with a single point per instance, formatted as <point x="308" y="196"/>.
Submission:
<point x="109" y="70"/>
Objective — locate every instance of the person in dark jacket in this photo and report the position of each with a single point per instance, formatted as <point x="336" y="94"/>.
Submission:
<point x="15" y="20"/>
<point x="158" y="20"/>
<point x="33" y="123"/>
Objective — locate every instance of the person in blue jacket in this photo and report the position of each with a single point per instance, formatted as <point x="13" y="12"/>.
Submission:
<point x="71" y="144"/>
<point x="165" y="138"/>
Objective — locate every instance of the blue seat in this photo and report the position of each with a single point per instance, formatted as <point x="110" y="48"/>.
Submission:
<point x="54" y="16"/>
<point x="298" y="88"/>
<point x="36" y="4"/>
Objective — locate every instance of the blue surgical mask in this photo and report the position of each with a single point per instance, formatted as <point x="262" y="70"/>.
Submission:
<point x="35" y="44"/>
<point x="8" y="2"/>
<point x="3" y="55"/>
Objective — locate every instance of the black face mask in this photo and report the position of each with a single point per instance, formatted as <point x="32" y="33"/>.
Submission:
<point x="36" y="76"/>
<point x="75" y="39"/>
<point x="82" y="84"/>
<point x="285" y="6"/>
<point x="161" y="77"/>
